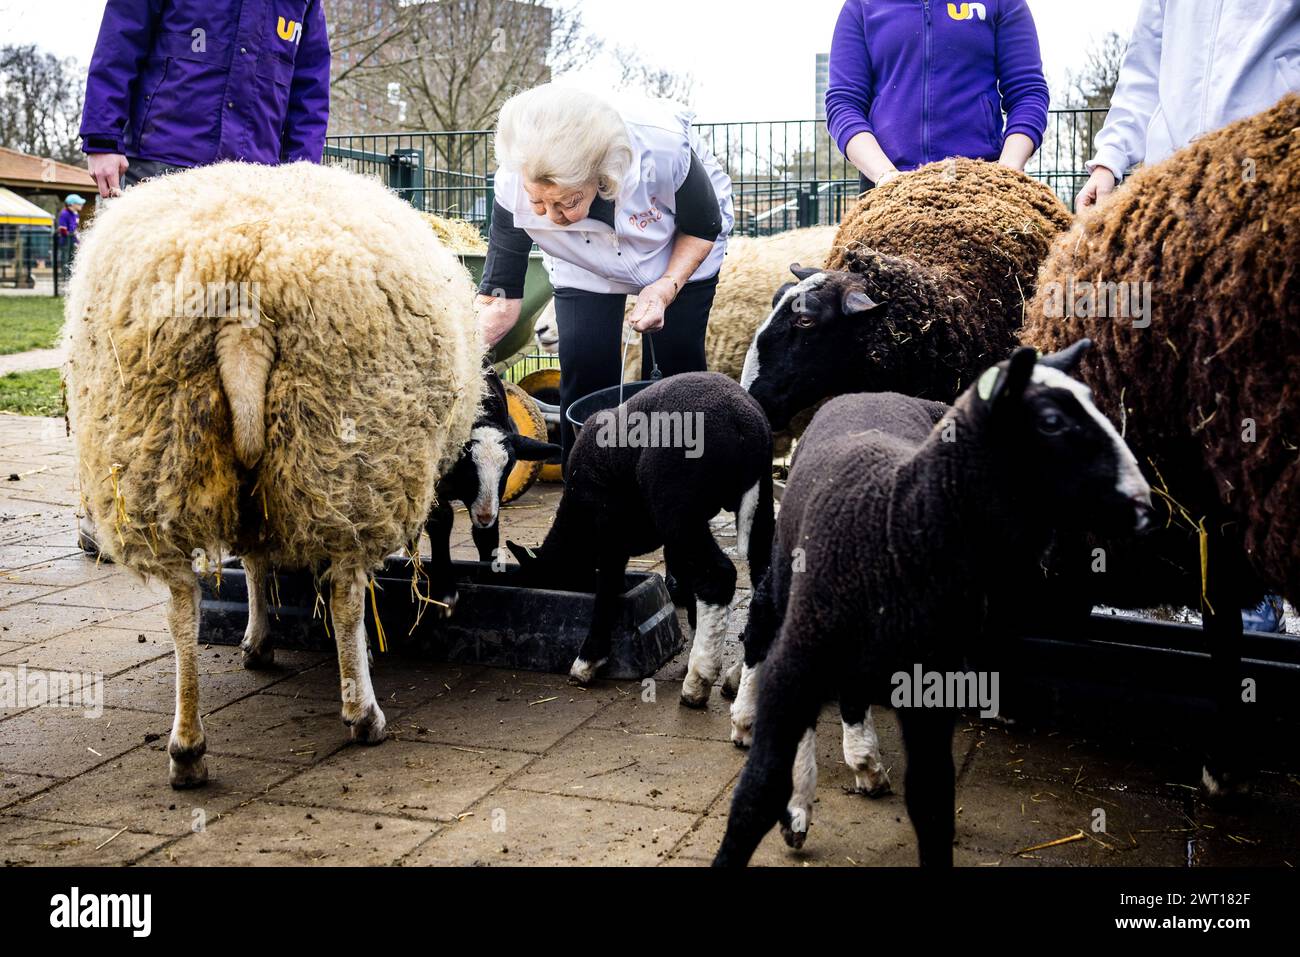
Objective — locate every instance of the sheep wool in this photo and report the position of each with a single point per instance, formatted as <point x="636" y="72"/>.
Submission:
<point x="310" y="426"/>
<point x="1187" y="279"/>
<point x="984" y="225"/>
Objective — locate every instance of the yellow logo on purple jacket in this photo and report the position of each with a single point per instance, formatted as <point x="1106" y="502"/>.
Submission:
<point x="292" y="29"/>
<point x="966" y="11"/>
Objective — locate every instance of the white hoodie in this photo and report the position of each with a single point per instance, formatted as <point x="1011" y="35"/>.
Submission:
<point x="1194" y="66"/>
<point x="588" y="254"/>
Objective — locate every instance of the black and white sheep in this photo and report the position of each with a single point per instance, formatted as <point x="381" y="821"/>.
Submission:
<point x="477" y="481"/>
<point x="904" y="544"/>
<point x="652" y="473"/>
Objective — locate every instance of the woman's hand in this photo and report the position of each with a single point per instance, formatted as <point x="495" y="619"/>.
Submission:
<point x="496" y="317"/>
<point x="1100" y="185"/>
<point x="1016" y="151"/>
<point x="887" y="176"/>
<point x="651" y="303"/>
<point x="107" y="170"/>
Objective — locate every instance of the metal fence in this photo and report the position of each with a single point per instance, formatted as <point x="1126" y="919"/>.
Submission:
<point x="785" y="174"/>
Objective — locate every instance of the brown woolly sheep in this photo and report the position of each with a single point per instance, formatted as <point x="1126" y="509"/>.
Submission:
<point x="1188" y="282"/>
<point x="947" y="255"/>
<point x="306" y="429"/>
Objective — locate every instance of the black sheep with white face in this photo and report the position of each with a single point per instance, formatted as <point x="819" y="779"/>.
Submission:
<point x="478" y="480"/>
<point x="902" y="537"/>
<point x="886" y="325"/>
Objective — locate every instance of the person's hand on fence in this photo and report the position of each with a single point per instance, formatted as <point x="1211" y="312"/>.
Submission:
<point x="651" y="304"/>
<point x="107" y="170"/>
<point x="1100" y="185"/>
<point x="496" y="317"/>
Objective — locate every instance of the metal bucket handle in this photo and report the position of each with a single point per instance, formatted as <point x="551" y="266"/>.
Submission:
<point x="655" y="374"/>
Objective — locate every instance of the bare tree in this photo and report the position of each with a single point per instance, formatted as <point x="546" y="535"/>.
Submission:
<point x="1069" y="145"/>
<point x="41" y="98"/>
<point x="450" y="64"/>
<point x="652" y="80"/>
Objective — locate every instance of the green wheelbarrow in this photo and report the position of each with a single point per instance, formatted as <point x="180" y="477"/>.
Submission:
<point x="537" y="293"/>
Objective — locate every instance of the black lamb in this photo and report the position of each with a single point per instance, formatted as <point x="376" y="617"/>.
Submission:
<point x="903" y="545"/>
<point x="652" y="473"/>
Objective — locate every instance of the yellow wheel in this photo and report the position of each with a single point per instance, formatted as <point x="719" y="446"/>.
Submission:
<point x="544" y="384"/>
<point x="527" y="418"/>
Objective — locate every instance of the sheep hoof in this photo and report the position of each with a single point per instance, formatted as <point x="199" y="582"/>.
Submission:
<point x="695" y="692"/>
<point x="793" y="839"/>
<point x="369" y="728"/>
<point x="188" y="772"/>
<point x="871" y="784"/>
<point x="731" y="682"/>
<point x="583" y="671"/>
<point x="257" y="657"/>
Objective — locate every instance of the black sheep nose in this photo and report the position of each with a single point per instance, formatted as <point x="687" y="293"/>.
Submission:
<point x="1142" y="514"/>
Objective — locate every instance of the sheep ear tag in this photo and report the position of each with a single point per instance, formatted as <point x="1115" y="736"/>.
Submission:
<point x="988" y="383"/>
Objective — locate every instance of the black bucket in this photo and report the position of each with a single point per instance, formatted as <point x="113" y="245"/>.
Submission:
<point x="600" y="400"/>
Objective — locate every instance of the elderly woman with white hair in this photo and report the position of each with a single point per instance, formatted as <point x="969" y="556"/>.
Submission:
<point x="621" y="202"/>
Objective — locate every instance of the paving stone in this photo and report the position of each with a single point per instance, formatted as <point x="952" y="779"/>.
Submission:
<point x="59" y="569"/>
<point x="94" y="649"/>
<point x="13" y="594"/>
<point x="65" y="741"/>
<point x="153" y="618"/>
<point x="679" y="773"/>
<point x="14" y="786"/>
<point x="516" y="711"/>
<point x="132" y="791"/>
<point x="284" y="835"/>
<point x="514" y="827"/>
<point x="404" y="778"/>
<point x="273" y="728"/>
<point x="29" y="623"/>
<point x="17" y="557"/>
<point x="665" y="715"/>
<point x="24" y="842"/>
<point x="222" y="679"/>
<point x="399" y="683"/>
<point x="120" y="591"/>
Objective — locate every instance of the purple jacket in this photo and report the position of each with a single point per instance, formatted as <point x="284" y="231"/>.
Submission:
<point x="69" y="220"/>
<point x="932" y="79"/>
<point x="190" y="82"/>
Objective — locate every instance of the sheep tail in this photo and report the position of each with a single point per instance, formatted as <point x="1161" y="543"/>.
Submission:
<point x="245" y="353"/>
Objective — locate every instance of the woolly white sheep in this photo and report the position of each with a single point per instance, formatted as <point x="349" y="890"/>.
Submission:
<point x="305" y="428"/>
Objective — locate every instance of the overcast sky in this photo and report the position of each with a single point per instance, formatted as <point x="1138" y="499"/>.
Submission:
<point x="748" y="62"/>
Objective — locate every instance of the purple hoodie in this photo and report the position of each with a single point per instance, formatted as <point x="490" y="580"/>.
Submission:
<point x="190" y="82"/>
<point x="932" y="79"/>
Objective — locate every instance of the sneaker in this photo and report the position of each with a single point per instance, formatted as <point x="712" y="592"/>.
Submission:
<point x="86" y="537"/>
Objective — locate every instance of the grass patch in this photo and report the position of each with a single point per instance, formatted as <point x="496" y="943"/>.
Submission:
<point x="32" y="393"/>
<point x="29" y="322"/>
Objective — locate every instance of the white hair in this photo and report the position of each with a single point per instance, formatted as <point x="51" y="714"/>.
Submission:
<point x="565" y="137"/>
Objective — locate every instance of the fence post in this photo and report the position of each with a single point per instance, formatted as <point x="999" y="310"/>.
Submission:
<point x="491" y="200"/>
<point x="54" y="257"/>
<point x="406" y="175"/>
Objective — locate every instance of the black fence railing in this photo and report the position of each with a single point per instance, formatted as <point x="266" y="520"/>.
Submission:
<point x="785" y="174"/>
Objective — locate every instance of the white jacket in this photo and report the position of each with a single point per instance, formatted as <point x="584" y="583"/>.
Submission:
<point x="589" y="255"/>
<point x="1194" y="66"/>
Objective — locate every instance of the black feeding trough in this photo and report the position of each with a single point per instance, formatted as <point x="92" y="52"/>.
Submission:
<point x="496" y="623"/>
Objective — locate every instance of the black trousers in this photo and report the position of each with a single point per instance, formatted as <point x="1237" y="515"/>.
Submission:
<point x="590" y="325"/>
